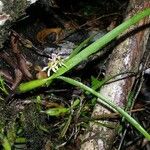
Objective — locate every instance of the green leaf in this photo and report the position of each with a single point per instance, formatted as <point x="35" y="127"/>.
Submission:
<point x="64" y="130"/>
<point x="43" y="128"/>
<point x="85" y="53"/>
<point x="24" y="87"/>
<point x="56" y="111"/>
<point x="5" y="142"/>
<point x="75" y="103"/>
<point x="108" y="103"/>
<point x="83" y="44"/>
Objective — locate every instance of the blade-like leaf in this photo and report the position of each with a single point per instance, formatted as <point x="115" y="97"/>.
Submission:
<point x="85" y="53"/>
<point x="108" y="103"/>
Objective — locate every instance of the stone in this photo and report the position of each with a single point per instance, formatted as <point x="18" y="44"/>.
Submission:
<point x="10" y="10"/>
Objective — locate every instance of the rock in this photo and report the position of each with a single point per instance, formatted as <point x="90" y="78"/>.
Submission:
<point x="10" y="10"/>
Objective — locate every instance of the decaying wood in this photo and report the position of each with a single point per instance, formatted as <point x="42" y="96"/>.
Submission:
<point x="125" y="57"/>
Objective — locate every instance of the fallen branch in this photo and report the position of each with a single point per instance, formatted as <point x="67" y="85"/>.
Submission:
<point x="125" y="57"/>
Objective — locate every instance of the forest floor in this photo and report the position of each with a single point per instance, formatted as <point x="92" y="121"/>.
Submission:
<point x="58" y="115"/>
